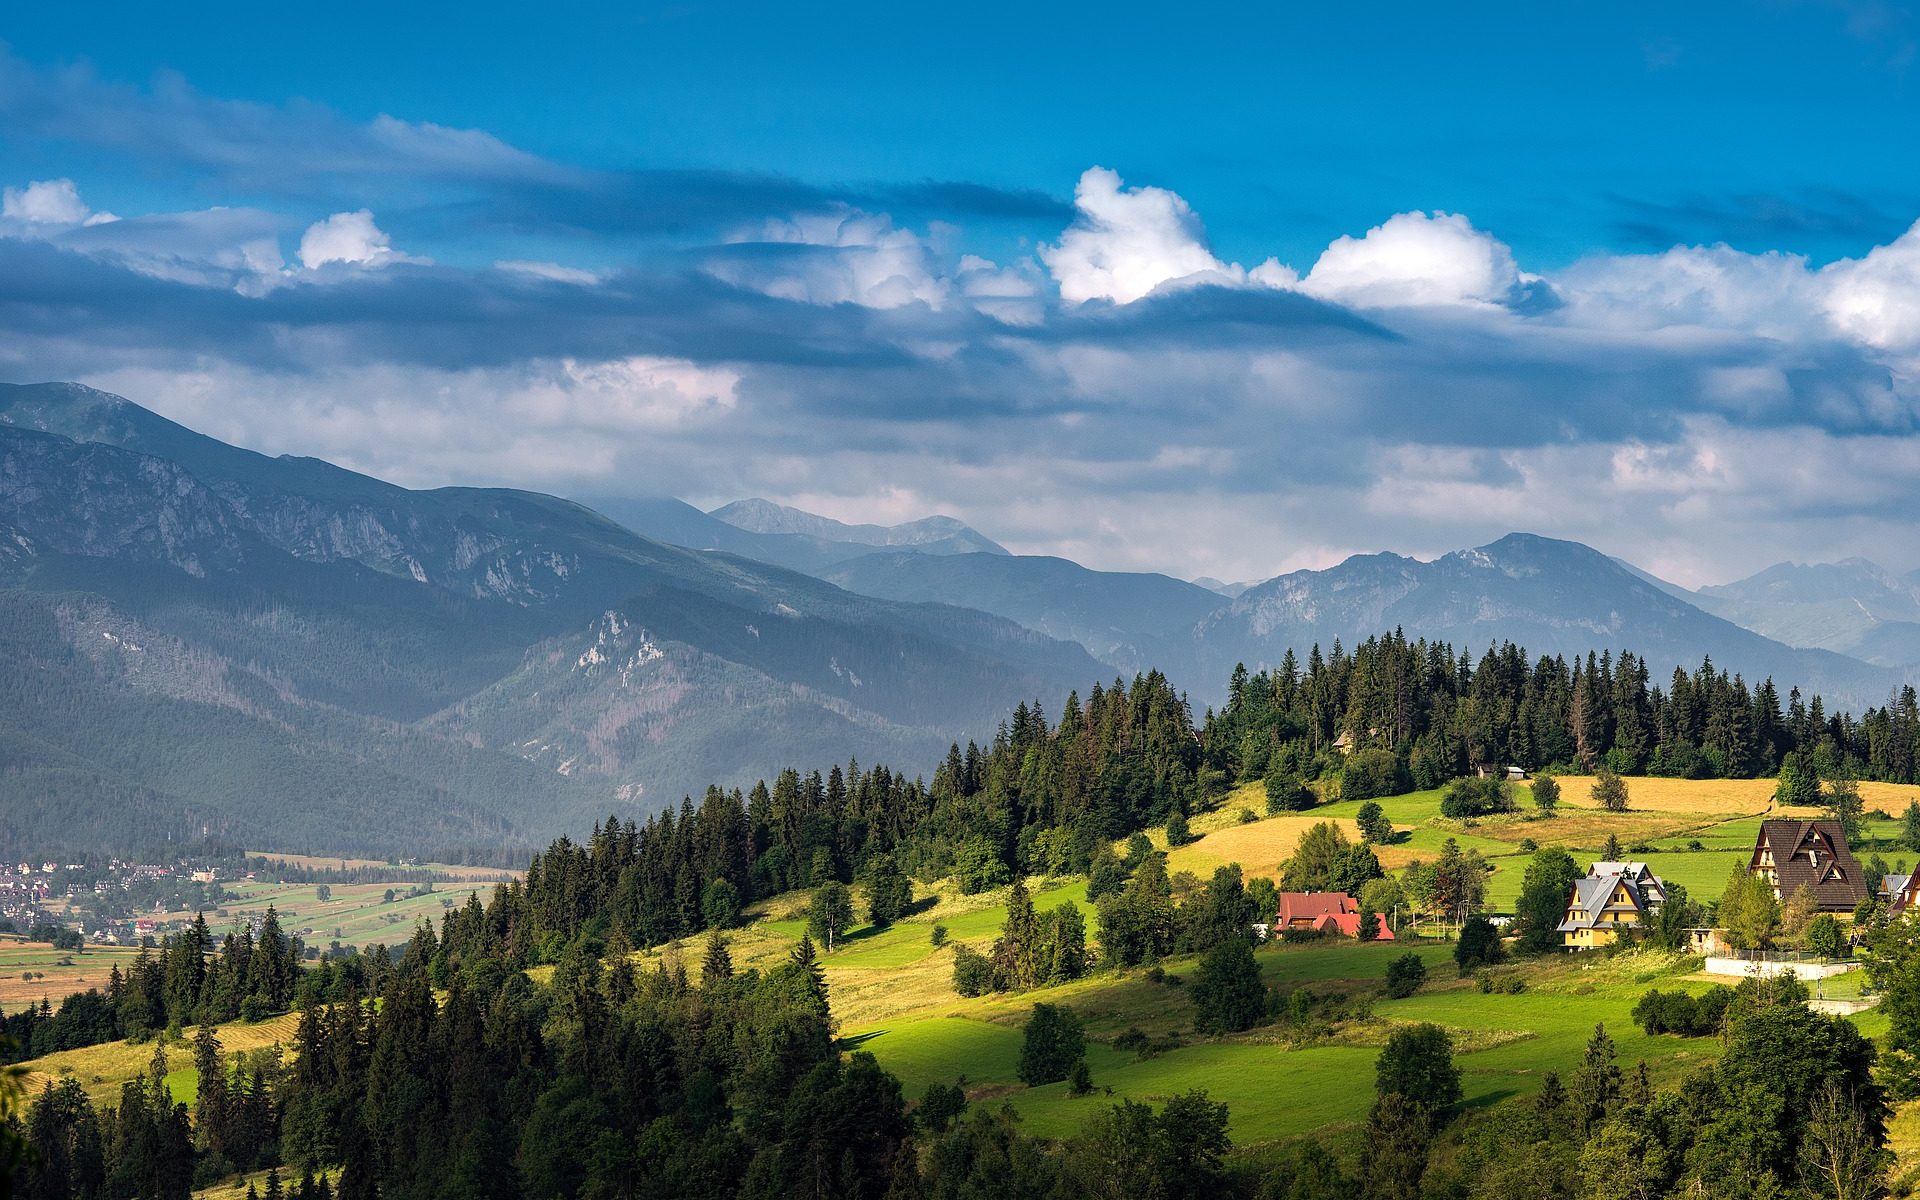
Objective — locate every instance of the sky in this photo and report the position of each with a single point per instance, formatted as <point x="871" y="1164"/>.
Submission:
<point x="1199" y="290"/>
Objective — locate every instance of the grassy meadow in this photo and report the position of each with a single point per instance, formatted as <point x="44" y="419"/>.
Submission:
<point x="56" y="973"/>
<point x="355" y="914"/>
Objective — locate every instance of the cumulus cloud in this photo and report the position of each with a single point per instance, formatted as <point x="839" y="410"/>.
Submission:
<point x="1125" y="243"/>
<point x="842" y="256"/>
<point x="1876" y="299"/>
<point x="348" y="237"/>
<point x="50" y="202"/>
<point x="1417" y="259"/>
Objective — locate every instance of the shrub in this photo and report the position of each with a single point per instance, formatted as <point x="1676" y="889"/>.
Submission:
<point x="972" y="972"/>
<point x="1476" y="798"/>
<point x="1683" y="1014"/>
<point x="1405" y="975"/>
<point x="1610" y="791"/>
<point x="1546" y="794"/>
<point x="1247" y="816"/>
<point x="1052" y="1042"/>
<point x="1370" y="774"/>
<point x="1177" y="832"/>
<point x="1418" y="1064"/>
<point x="1479" y="945"/>
<point x="1079" y="1079"/>
<point x="937" y="935"/>
<point x="940" y="1105"/>
<point x="1285" y="793"/>
<point x="1373" y="823"/>
<point x="1228" y="995"/>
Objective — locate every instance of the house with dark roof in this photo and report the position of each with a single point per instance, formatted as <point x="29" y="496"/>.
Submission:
<point x="1613" y="896"/>
<point x="1901" y="892"/>
<point x="1793" y="854"/>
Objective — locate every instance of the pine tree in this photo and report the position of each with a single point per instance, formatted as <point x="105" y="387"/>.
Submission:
<point x="1596" y="1085"/>
<point x="717" y="966"/>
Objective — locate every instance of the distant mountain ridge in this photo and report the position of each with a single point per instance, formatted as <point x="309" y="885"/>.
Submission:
<point x="1133" y="621"/>
<point x="781" y="538"/>
<point x="1852" y="607"/>
<point x="345" y="623"/>
<point x="1551" y="596"/>
<point x="936" y="534"/>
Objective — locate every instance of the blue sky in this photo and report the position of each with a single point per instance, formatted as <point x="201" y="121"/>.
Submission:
<point x="1389" y="276"/>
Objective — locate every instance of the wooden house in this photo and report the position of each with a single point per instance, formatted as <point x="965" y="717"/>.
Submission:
<point x="1792" y="854"/>
<point x="1613" y="896"/>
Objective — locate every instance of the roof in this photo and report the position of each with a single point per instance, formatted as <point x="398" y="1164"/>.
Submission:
<point x="1349" y="925"/>
<point x="1904" y="893"/>
<point x="1593" y="892"/>
<point x="1307" y="906"/>
<point x="1813" y="855"/>
<point x="1893" y="885"/>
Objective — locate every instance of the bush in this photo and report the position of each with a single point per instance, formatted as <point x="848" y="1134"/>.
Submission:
<point x="1405" y="975"/>
<point x="940" y="1105"/>
<point x="1610" y="791"/>
<point x="1417" y="1063"/>
<point x="937" y="935"/>
<point x="978" y="867"/>
<point x="1228" y="995"/>
<point x="1177" y="832"/>
<point x="1285" y="793"/>
<point x="1247" y="816"/>
<point x="1476" y="798"/>
<point x="1546" y="794"/>
<point x="1079" y="1079"/>
<point x="1371" y="774"/>
<point x="972" y="972"/>
<point x="1373" y="823"/>
<point x="1479" y="945"/>
<point x="1052" y="1042"/>
<point x="1683" y="1014"/>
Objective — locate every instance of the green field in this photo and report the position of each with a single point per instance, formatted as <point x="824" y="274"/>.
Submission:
<point x="1273" y="1087"/>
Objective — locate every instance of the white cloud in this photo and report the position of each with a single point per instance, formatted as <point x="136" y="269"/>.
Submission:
<point x="1876" y="300"/>
<point x="1413" y="259"/>
<point x="844" y="256"/>
<point x="50" y="202"/>
<point x="348" y="237"/>
<point x="549" y="271"/>
<point x="1125" y="242"/>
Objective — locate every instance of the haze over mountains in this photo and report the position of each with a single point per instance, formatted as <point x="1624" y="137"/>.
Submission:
<point x="201" y="639"/>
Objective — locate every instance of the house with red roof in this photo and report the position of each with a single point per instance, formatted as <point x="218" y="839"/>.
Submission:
<point x="1328" y="912"/>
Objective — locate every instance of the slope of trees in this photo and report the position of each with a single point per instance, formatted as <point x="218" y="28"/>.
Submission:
<point x="1441" y="714"/>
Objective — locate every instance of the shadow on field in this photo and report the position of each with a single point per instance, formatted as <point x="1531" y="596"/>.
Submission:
<point x="1490" y="1099"/>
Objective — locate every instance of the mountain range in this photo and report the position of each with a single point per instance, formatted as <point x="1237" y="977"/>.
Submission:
<point x="204" y="640"/>
<point x="277" y="648"/>
<point x="1852" y="607"/>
